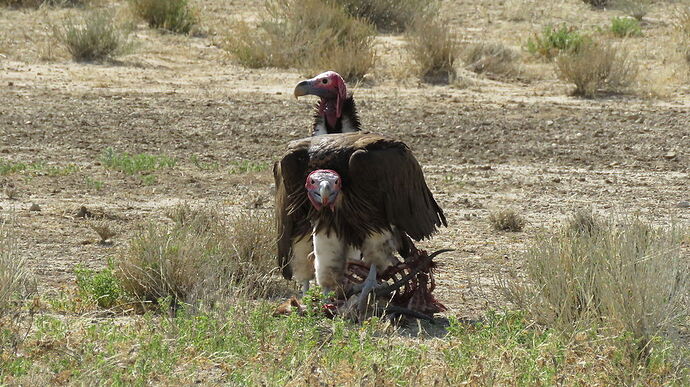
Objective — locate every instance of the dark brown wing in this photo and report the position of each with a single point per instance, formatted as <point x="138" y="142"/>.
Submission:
<point x="291" y="220"/>
<point x="387" y="172"/>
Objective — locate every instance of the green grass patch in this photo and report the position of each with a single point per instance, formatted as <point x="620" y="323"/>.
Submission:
<point x="625" y="27"/>
<point x="141" y="164"/>
<point x="100" y="287"/>
<point x="553" y="41"/>
<point x="247" y="166"/>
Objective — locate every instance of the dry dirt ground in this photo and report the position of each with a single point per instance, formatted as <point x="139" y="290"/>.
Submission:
<point x="523" y="145"/>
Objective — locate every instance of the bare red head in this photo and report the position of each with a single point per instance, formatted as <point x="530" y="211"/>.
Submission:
<point x="323" y="187"/>
<point x="330" y="86"/>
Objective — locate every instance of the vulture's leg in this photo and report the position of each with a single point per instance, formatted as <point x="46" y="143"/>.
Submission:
<point x="329" y="261"/>
<point x="303" y="262"/>
<point x="367" y="286"/>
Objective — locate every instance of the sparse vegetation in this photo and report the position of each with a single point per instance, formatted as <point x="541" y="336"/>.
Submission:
<point x="597" y="67"/>
<point x="170" y="15"/>
<point x="597" y="3"/>
<point x="635" y="8"/>
<point x="201" y="258"/>
<point x="554" y="41"/>
<point x="630" y="277"/>
<point x="389" y="15"/>
<point x="300" y="33"/>
<point x="14" y="275"/>
<point x="93" y="37"/>
<point x="682" y="25"/>
<point x="434" y="49"/>
<point x="507" y="220"/>
<point x="625" y="27"/>
<point x="133" y="164"/>
<point x="494" y="59"/>
<point x="246" y="166"/>
<point x="103" y="229"/>
<point x="38" y="3"/>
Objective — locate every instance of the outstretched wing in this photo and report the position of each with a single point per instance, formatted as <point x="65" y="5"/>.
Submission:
<point x="386" y="171"/>
<point x="291" y="217"/>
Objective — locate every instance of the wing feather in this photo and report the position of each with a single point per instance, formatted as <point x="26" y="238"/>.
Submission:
<point x="388" y="173"/>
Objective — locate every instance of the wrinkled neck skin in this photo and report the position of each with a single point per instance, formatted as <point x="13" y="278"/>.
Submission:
<point x="327" y="109"/>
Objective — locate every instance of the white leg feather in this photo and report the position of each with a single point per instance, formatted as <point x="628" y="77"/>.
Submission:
<point x="329" y="261"/>
<point x="302" y="262"/>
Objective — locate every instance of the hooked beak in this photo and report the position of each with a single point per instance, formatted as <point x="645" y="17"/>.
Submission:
<point x="304" y="88"/>
<point x="327" y="195"/>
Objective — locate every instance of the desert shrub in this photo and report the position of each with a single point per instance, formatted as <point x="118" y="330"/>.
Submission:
<point x="554" y="41"/>
<point x="682" y="25"/>
<point x="434" y="50"/>
<point x="597" y="67"/>
<point x="102" y="287"/>
<point x="629" y="276"/>
<point x="15" y="283"/>
<point x="201" y="258"/>
<point x="597" y="3"/>
<point x="493" y="59"/>
<point x="388" y="15"/>
<point x="312" y="35"/>
<point x="93" y="37"/>
<point x="635" y="8"/>
<point x="625" y="27"/>
<point x="170" y="15"/>
<point x="507" y="220"/>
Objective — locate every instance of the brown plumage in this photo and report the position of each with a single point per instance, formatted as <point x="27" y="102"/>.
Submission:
<point x="383" y="190"/>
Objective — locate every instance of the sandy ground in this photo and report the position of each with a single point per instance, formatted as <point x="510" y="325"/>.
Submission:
<point x="494" y="145"/>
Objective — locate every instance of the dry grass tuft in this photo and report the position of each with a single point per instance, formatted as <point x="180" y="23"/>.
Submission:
<point x="201" y="258"/>
<point x="14" y="275"/>
<point x="312" y="35"/>
<point x="93" y="37"/>
<point x="493" y="59"/>
<point x="170" y="15"/>
<point x="625" y="27"/>
<point x="102" y="228"/>
<point x="631" y="276"/>
<point x="635" y="8"/>
<point x="597" y="3"/>
<point x="434" y="49"/>
<point x="388" y="15"/>
<point x="507" y="220"/>
<point x="682" y="25"/>
<point x="597" y="68"/>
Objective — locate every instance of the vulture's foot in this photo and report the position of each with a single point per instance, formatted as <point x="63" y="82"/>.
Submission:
<point x="367" y="287"/>
<point x="305" y="288"/>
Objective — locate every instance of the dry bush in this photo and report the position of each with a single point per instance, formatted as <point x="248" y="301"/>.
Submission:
<point x="494" y="59"/>
<point x="170" y="15"/>
<point x="201" y="258"/>
<point x="15" y="283"/>
<point x="507" y="220"/>
<point x="388" y="15"/>
<point x="434" y="49"/>
<point x="93" y="37"/>
<point x="635" y="8"/>
<point x="103" y="229"/>
<point x="597" y="3"/>
<point x="629" y="276"/>
<point x="596" y="68"/>
<point x="682" y="25"/>
<point x="312" y="35"/>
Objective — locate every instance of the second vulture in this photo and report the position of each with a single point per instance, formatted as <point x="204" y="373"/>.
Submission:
<point x="351" y="191"/>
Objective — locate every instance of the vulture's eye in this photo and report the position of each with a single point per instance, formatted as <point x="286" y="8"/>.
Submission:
<point x="324" y="81"/>
<point x="337" y="181"/>
<point x="312" y="181"/>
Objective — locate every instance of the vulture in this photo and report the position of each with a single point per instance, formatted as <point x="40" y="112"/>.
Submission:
<point x="354" y="191"/>
<point x="335" y="113"/>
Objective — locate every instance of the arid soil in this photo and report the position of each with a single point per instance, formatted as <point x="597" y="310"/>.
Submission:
<point x="527" y="146"/>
